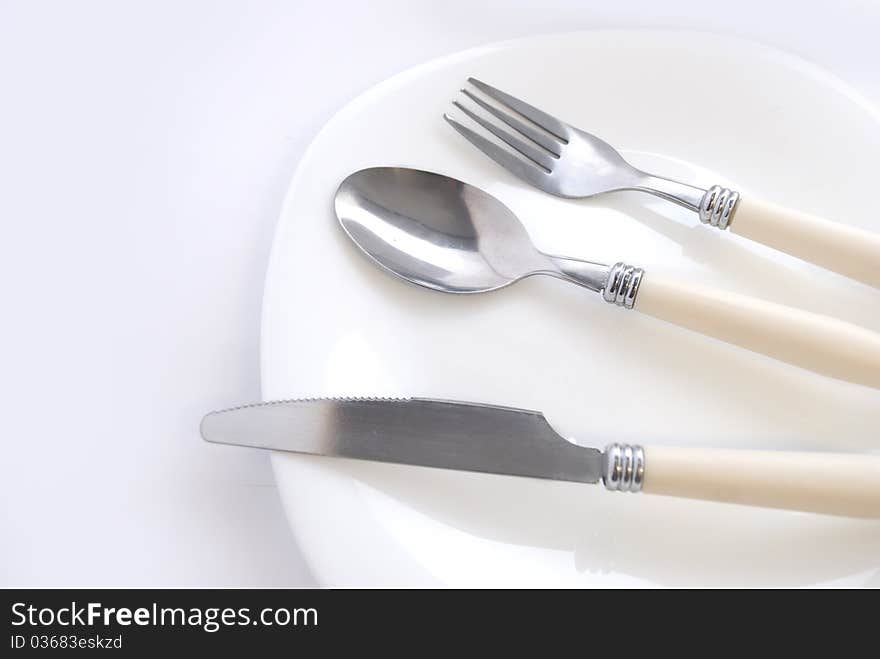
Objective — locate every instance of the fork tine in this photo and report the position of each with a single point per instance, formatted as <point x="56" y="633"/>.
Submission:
<point x="542" y="159"/>
<point x="536" y="136"/>
<point x="530" y="172"/>
<point x="544" y="120"/>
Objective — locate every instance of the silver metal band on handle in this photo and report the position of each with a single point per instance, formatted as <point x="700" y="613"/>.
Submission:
<point x="622" y="285"/>
<point x="624" y="468"/>
<point x="717" y="206"/>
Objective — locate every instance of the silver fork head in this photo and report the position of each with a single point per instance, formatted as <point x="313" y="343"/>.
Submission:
<point x="548" y="153"/>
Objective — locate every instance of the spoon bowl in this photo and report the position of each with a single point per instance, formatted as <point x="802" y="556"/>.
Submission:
<point x="441" y="233"/>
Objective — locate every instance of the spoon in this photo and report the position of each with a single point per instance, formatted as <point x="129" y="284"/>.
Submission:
<point x="443" y="234"/>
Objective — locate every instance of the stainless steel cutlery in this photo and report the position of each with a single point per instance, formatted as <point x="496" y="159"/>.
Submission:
<point x="502" y="440"/>
<point x="438" y="232"/>
<point x="566" y="161"/>
<point x="443" y="234"/>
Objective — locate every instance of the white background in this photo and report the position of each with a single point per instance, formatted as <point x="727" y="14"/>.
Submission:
<point x="145" y="150"/>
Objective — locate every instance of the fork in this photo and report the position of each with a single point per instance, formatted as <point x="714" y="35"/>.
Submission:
<point x="568" y="162"/>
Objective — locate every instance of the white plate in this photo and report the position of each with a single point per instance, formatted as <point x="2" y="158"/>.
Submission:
<point x="719" y="110"/>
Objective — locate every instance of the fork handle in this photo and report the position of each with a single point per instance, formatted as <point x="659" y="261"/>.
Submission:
<point x="819" y="343"/>
<point x="829" y="483"/>
<point x="845" y="249"/>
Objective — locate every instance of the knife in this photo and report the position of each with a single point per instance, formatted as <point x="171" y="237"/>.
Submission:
<point x="445" y="434"/>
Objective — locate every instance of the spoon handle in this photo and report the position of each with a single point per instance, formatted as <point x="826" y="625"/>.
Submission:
<point x="828" y="483"/>
<point x="839" y="247"/>
<point x="812" y="341"/>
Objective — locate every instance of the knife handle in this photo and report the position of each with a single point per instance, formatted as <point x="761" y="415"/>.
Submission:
<point x="819" y="343"/>
<point x="828" y="483"/>
<point x="845" y="249"/>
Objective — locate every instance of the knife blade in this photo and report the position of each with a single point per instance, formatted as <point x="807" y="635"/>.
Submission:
<point x="414" y="431"/>
<point x="504" y="440"/>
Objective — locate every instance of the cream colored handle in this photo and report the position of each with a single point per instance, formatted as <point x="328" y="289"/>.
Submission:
<point x="845" y="249"/>
<point x="819" y="343"/>
<point x="829" y="483"/>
